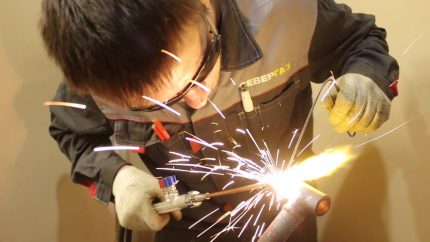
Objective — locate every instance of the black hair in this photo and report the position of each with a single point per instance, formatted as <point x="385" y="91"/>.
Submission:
<point x="112" y="48"/>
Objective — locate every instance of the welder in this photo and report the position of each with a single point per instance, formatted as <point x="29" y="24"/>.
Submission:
<point x="257" y="57"/>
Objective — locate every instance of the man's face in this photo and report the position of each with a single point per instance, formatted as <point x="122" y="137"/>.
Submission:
<point x="191" y="51"/>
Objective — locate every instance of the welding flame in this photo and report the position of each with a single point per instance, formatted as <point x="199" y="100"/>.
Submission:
<point x="321" y="165"/>
<point x="287" y="183"/>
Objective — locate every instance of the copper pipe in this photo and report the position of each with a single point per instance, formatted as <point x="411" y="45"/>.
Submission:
<point x="235" y="190"/>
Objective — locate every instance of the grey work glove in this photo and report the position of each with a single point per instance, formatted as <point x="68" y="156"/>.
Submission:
<point x="356" y="104"/>
<point x="135" y="191"/>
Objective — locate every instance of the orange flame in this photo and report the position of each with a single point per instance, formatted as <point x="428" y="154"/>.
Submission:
<point x="287" y="183"/>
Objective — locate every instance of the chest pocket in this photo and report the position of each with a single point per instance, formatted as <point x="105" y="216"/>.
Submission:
<point x="276" y="122"/>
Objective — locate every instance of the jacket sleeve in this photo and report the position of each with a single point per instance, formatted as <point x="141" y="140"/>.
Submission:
<point x="345" y="42"/>
<point x="77" y="133"/>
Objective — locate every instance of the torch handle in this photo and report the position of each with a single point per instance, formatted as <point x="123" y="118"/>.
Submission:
<point x="188" y="200"/>
<point x="168" y="206"/>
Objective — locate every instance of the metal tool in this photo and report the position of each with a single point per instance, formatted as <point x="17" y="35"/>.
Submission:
<point x="173" y="201"/>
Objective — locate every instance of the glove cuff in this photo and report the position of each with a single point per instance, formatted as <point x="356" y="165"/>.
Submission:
<point x="383" y="82"/>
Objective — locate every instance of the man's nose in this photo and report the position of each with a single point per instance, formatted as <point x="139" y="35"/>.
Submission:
<point x="196" y="97"/>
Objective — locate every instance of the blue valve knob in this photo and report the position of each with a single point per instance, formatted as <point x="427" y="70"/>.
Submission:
<point x="169" y="181"/>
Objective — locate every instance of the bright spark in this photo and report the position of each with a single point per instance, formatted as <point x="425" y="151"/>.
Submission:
<point x="66" y="104"/>
<point x="217" y="144"/>
<point x="219" y="220"/>
<point x="203" y="87"/>
<point x="207" y="215"/>
<point x="358" y="114"/>
<point x="246" y="224"/>
<point x="271" y="201"/>
<point x="178" y="160"/>
<point x="277" y="158"/>
<point x="202" y="142"/>
<point x="192" y="165"/>
<point x="312" y="141"/>
<point x="238" y="208"/>
<point x="261" y="230"/>
<point x="209" y="159"/>
<point x="162" y="105"/>
<point x="216" y="108"/>
<point x="227" y="185"/>
<point x="394" y="83"/>
<point x="190" y="171"/>
<point x="382" y="135"/>
<point x="413" y="43"/>
<point x="232" y="81"/>
<point x="258" y="216"/>
<point x="171" y="55"/>
<point x="179" y="154"/>
<point x="118" y="147"/>
<point x="253" y="140"/>
<point x="256" y="233"/>
<point x="282" y="166"/>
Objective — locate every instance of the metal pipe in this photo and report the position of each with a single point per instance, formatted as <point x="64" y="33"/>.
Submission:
<point x="288" y="219"/>
<point x="311" y="201"/>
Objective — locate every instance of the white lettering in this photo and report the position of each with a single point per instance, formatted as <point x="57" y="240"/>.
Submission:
<point x="264" y="78"/>
<point x="249" y="83"/>
<point x="256" y="80"/>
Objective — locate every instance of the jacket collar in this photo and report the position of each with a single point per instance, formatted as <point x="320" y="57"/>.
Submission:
<point x="239" y="48"/>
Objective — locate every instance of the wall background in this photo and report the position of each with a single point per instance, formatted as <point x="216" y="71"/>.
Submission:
<point x="37" y="200"/>
<point x="382" y="196"/>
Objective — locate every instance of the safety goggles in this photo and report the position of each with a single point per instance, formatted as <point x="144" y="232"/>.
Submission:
<point x="210" y="58"/>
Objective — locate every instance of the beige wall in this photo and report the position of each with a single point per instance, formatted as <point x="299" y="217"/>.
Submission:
<point x="37" y="200"/>
<point x="382" y="196"/>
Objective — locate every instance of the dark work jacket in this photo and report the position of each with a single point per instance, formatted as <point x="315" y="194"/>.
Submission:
<point x="275" y="48"/>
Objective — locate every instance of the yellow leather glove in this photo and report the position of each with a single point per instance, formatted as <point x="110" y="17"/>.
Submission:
<point x="356" y="104"/>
